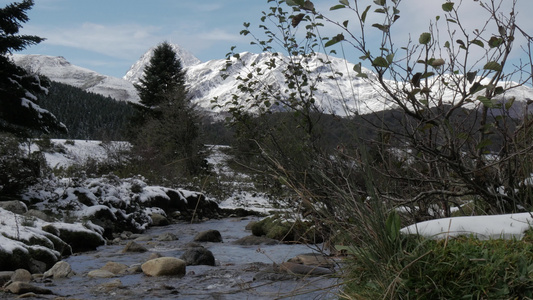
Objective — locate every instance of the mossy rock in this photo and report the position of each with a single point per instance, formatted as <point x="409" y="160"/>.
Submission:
<point x="278" y="228"/>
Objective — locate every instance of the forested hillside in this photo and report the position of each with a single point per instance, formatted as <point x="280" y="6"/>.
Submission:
<point x="87" y="115"/>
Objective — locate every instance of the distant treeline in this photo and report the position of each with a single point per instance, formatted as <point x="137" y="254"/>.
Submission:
<point x="92" y="116"/>
<point x="87" y="115"/>
<point x="95" y="117"/>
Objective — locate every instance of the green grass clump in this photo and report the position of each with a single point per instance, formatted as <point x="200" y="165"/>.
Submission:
<point x="461" y="268"/>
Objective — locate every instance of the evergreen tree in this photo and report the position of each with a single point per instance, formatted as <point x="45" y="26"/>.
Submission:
<point x="19" y="110"/>
<point x="163" y="74"/>
<point x="167" y="127"/>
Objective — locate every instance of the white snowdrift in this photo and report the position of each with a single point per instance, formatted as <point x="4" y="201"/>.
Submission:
<point x="483" y="227"/>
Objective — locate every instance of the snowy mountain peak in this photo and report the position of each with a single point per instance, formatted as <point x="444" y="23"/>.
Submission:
<point x="58" y="69"/>
<point x="137" y="70"/>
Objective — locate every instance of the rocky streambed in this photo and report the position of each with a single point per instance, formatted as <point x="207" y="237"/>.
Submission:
<point x="244" y="267"/>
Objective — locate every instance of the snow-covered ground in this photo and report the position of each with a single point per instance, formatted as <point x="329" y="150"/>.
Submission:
<point x="78" y="151"/>
<point x="73" y="152"/>
<point x="483" y="227"/>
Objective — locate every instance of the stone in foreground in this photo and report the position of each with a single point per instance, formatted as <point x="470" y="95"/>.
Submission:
<point x="164" y="266"/>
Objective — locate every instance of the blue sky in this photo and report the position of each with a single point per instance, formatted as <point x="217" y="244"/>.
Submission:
<point x="108" y="36"/>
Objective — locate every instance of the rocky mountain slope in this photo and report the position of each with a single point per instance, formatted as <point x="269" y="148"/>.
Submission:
<point x="58" y="69"/>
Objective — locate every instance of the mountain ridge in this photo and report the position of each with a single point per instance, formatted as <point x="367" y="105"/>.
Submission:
<point x="341" y="95"/>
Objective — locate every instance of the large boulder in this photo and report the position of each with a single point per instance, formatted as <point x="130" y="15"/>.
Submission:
<point x="35" y="259"/>
<point x="80" y="239"/>
<point x="198" y="256"/>
<point x="15" y="206"/>
<point x="164" y="266"/>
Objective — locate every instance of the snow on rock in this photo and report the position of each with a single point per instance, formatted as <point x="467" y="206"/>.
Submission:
<point x="24" y="239"/>
<point x="113" y="203"/>
<point x="483" y="227"/>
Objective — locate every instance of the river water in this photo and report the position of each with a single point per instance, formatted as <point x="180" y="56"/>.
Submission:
<point x="232" y="277"/>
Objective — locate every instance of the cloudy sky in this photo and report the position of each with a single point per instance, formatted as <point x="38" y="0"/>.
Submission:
<point x="108" y="36"/>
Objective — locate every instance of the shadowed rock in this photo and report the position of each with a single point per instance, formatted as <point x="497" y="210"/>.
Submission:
<point x="198" y="256"/>
<point x="209" y="236"/>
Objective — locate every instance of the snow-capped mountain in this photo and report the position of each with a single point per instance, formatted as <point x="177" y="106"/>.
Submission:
<point x="339" y="90"/>
<point x="58" y="69"/>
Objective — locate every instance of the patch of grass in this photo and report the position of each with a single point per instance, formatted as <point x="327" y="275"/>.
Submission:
<point x="461" y="268"/>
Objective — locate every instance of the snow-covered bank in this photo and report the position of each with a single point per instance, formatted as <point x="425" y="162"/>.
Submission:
<point x="71" y="152"/>
<point x="483" y="227"/>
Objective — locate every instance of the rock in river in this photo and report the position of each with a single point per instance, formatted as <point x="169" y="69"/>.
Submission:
<point x="198" y="256"/>
<point x="19" y="287"/>
<point x="164" y="266"/>
<point x="209" y="236"/>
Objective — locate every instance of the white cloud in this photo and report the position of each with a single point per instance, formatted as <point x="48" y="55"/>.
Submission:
<point x="120" y="41"/>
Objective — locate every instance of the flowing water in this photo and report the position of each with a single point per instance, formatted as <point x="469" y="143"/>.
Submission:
<point x="232" y="277"/>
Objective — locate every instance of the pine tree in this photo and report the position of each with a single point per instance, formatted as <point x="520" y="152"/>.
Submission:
<point x="19" y="109"/>
<point x="163" y="74"/>
<point x="167" y="127"/>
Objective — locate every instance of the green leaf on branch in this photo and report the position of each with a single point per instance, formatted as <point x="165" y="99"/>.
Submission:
<point x="380" y="62"/>
<point x="338" y="6"/>
<point x="384" y="28"/>
<point x="358" y="68"/>
<point x="339" y="37"/>
<point x="448" y="6"/>
<point x="363" y="15"/>
<point x="479" y="43"/>
<point x="345" y="2"/>
<point x="493" y="66"/>
<point x="425" y="38"/>
<point x="476" y="87"/>
<point x="427" y="75"/>
<point x="486" y="101"/>
<point x="461" y="43"/>
<point x="471" y="76"/>
<point x="295" y="2"/>
<point x="495" y="42"/>
<point x="416" y="79"/>
<point x="509" y="103"/>
<point x="380" y="2"/>
<point x="390" y="58"/>
<point x="437" y="62"/>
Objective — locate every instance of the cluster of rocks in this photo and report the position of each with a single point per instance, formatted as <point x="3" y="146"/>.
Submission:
<point x="118" y="204"/>
<point x="99" y="207"/>
<point x="25" y="284"/>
